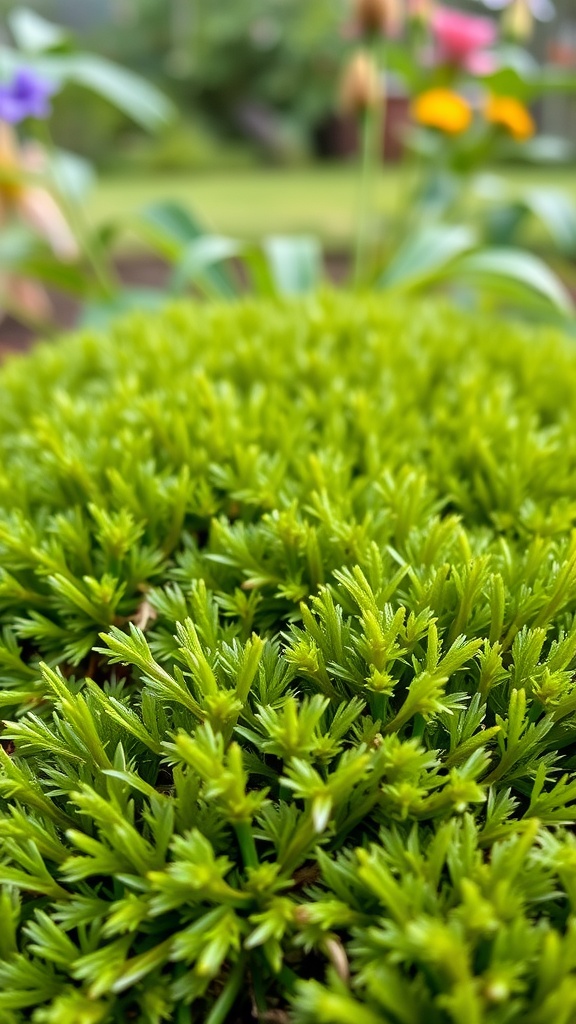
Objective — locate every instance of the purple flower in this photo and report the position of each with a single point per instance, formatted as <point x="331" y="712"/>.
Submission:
<point x="26" y="95"/>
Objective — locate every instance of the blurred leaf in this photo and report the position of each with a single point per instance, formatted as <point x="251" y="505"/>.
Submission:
<point x="100" y="314"/>
<point x="128" y="92"/>
<point x="400" y="61"/>
<point x="425" y="254"/>
<point x="489" y="186"/>
<point x="440" y="190"/>
<point x="173" y="229"/>
<point x="198" y="261"/>
<point x="17" y="243"/>
<point x="426" y="143"/>
<point x="513" y="267"/>
<point x="72" y="174"/>
<point x="546" y="149"/>
<point x="66" y="277"/>
<point x="33" y="33"/>
<point x="521" y="76"/>
<point x="172" y="225"/>
<point x="518" y="59"/>
<point x="503" y="222"/>
<point x="258" y="269"/>
<point x="295" y="263"/>
<point x="107" y="233"/>
<point x="280" y="266"/>
<point x="558" y="213"/>
<point x="556" y="80"/>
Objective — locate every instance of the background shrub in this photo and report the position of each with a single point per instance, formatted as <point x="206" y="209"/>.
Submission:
<point x="288" y="597"/>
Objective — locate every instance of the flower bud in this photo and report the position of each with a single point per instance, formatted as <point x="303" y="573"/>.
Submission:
<point x="361" y="86"/>
<point x="379" y="16"/>
<point x="420" y="11"/>
<point x="11" y="178"/>
<point x="518" y="21"/>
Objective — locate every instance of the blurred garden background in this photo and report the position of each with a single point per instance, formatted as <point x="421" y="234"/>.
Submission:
<point x="237" y="121"/>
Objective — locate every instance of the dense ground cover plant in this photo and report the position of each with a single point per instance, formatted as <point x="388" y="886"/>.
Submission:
<point x="288" y="597"/>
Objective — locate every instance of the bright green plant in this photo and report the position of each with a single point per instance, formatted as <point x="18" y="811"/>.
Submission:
<point x="288" y="595"/>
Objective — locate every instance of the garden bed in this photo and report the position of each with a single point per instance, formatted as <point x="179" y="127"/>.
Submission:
<point x="146" y="271"/>
<point x="140" y="270"/>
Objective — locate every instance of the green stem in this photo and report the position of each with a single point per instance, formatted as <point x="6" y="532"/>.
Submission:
<point x="360" y="816"/>
<point x="364" y="200"/>
<point x="246" y="843"/>
<point x="75" y="216"/>
<point x="302" y="841"/>
<point x="284" y="793"/>
<point x="418" y="727"/>
<point x="258" y="987"/>
<point x="372" y="136"/>
<point x="225" y="1002"/>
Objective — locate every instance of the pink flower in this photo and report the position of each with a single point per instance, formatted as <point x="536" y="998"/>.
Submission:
<point x="463" y="39"/>
<point x="21" y="197"/>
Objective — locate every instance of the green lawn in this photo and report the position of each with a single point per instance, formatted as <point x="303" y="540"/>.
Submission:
<point x="252" y="203"/>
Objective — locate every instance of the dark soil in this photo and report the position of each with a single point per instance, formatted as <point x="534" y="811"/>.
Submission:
<point x="142" y="271"/>
<point x="138" y="271"/>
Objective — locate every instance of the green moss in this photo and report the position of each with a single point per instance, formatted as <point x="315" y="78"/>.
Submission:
<point x="288" y="597"/>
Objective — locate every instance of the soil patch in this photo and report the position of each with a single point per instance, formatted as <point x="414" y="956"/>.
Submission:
<point x="141" y="271"/>
<point x="136" y="271"/>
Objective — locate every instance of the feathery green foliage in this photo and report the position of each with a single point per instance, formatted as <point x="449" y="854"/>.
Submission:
<point x="288" y="596"/>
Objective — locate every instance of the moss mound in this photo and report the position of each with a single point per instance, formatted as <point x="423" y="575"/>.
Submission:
<point x="288" y="598"/>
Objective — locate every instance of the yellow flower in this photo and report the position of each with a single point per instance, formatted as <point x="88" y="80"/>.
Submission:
<point x="442" y="109"/>
<point x="508" y="113"/>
